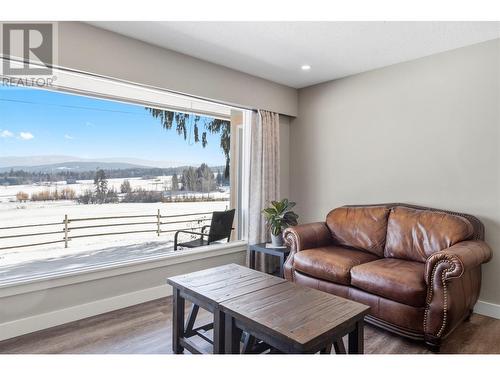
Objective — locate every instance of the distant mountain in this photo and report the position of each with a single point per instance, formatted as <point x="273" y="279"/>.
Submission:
<point x="51" y="162"/>
<point x="9" y="161"/>
<point x="73" y="166"/>
<point x="146" y="163"/>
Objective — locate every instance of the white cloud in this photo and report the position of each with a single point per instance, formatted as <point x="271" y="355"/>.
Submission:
<point x="89" y="124"/>
<point x="6" y="134"/>
<point x="67" y="136"/>
<point x="26" y="136"/>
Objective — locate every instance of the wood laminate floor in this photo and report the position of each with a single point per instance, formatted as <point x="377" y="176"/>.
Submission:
<point x="146" y="328"/>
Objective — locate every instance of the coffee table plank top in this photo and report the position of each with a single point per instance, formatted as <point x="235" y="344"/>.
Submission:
<point x="225" y="282"/>
<point x="299" y="315"/>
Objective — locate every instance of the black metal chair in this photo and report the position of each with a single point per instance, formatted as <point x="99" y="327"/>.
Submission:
<point x="220" y="229"/>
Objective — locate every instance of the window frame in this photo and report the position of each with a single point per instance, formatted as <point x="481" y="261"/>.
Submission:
<point x="99" y="87"/>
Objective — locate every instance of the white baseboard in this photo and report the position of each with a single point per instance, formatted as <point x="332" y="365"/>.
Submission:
<point x="54" y="318"/>
<point x="488" y="309"/>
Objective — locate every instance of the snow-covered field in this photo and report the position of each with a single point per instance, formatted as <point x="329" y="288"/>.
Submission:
<point x="160" y="183"/>
<point x="86" y="250"/>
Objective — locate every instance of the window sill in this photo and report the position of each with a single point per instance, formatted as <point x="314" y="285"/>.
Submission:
<point x="57" y="279"/>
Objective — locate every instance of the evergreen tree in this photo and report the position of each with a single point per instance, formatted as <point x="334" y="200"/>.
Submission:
<point x="101" y="186"/>
<point x="200" y="179"/>
<point x="206" y="181"/>
<point x="219" y="179"/>
<point x="175" y="183"/>
<point x="125" y="187"/>
<point x="189" y="179"/>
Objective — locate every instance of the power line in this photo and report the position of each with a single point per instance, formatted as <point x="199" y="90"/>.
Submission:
<point x="67" y="106"/>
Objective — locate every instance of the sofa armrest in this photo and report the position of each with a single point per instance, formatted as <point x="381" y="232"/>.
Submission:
<point x="453" y="278"/>
<point x="457" y="259"/>
<point x="304" y="236"/>
<point x="307" y="236"/>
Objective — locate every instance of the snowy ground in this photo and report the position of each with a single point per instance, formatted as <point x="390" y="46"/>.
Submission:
<point x="82" y="252"/>
<point x="57" y="260"/>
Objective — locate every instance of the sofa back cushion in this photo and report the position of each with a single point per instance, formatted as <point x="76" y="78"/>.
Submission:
<point x="362" y="228"/>
<point x="414" y="234"/>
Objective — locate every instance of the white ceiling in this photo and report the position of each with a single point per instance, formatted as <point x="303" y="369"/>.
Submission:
<point x="276" y="50"/>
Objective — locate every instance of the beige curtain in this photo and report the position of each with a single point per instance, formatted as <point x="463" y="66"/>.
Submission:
<point x="264" y="179"/>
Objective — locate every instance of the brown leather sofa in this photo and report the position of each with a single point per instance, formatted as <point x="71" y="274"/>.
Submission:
<point x="419" y="269"/>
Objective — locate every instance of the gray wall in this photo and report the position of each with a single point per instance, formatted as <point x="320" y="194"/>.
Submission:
<point x="424" y="132"/>
<point x="90" y="49"/>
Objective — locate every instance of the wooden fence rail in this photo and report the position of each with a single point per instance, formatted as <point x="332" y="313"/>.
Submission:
<point x="67" y="228"/>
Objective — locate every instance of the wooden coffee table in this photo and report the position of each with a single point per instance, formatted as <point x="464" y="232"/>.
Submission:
<point x="207" y="289"/>
<point x="295" y="319"/>
<point x="288" y="317"/>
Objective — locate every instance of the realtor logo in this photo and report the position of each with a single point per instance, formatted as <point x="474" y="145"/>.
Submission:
<point x="31" y="43"/>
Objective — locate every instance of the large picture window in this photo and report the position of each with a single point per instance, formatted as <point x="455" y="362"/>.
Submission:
<point x="86" y="180"/>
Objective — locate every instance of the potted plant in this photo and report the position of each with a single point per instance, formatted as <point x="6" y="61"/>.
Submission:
<point x="278" y="217"/>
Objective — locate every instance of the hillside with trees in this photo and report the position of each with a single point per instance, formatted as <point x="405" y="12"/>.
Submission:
<point x="24" y="177"/>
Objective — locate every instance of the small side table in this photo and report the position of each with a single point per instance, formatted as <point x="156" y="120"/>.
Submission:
<point x="280" y="252"/>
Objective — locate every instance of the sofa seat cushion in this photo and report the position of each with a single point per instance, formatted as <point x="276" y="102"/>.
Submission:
<point x="396" y="279"/>
<point x="332" y="263"/>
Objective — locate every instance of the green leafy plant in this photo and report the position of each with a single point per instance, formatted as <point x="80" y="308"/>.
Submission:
<point x="280" y="216"/>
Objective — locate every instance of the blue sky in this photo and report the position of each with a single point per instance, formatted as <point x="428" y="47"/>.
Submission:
<point x="54" y="123"/>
